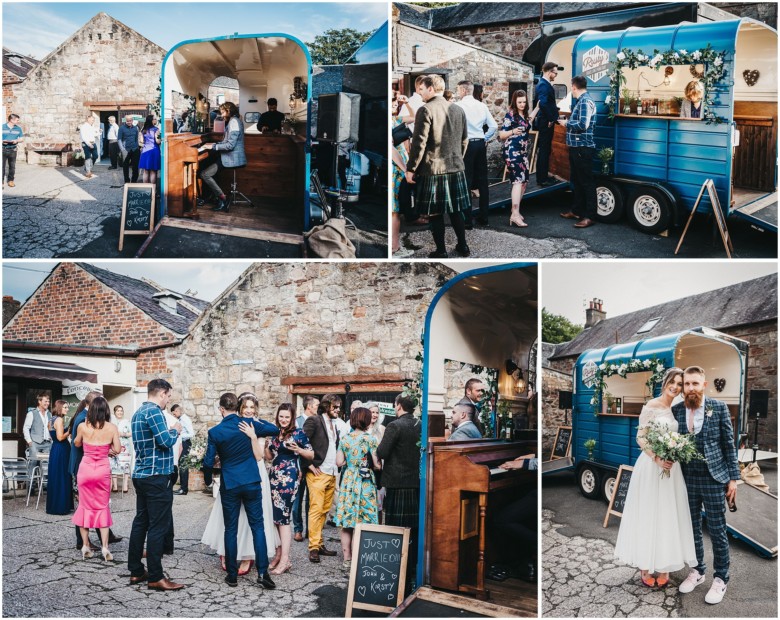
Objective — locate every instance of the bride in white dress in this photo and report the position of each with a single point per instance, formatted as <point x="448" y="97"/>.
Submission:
<point x="656" y="534"/>
<point x="214" y="534"/>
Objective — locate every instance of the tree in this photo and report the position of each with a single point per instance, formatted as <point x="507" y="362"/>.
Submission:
<point x="557" y="328"/>
<point x="334" y="47"/>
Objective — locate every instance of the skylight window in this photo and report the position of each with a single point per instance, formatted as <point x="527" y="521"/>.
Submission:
<point x="649" y="325"/>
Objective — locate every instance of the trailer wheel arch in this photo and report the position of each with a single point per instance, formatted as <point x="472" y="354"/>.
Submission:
<point x="589" y="480"/>
<point x="610" y="201"/>
<point x="650" y="210"/>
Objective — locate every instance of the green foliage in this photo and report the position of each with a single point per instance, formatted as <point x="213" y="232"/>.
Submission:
<point x="334" y="47"/>
<point x="557" y="328"/>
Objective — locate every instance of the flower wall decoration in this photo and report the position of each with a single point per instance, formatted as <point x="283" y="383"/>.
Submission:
<point x="621" y="368"/>
<point x="711" y="60"/>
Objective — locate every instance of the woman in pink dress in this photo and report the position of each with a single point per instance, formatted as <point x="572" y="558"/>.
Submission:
<point x="97" y="436"/>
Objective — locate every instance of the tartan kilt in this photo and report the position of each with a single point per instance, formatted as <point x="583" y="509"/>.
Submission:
<point x="402" y="507"/>
<point x="443" y="193"/>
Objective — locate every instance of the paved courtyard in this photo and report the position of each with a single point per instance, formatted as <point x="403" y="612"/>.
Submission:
<point x="44" y="575"/>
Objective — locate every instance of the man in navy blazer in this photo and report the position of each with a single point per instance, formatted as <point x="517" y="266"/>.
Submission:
<point x="545" y="121"/>
<point x="240" y="485"/>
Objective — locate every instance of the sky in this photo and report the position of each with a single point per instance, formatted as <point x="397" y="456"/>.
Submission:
<point x="36" y="29"/>
<point x="632" y="285"/>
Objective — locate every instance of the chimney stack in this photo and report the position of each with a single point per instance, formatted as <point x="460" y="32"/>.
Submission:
<point x="10" y="308"/>
<point x="595" y="312"/>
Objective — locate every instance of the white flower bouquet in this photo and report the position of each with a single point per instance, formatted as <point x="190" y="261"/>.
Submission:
<point x="670" y="445"/>
<point x="194" y="460"/>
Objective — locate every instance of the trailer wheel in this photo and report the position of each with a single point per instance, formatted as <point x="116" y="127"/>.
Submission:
<point x="608" y="486"/>
<point x="588" y="479"/>
<point x="650" y="211"/>
<point x="609" y="202"/>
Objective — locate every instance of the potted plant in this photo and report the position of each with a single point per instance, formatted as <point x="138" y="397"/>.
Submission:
<point x="590" y="444"/>
<point x="605" y="155"/>
<point x="626" y="100"/>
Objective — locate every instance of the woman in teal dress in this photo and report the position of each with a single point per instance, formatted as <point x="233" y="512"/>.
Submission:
<point x="59" y="496"/>
<point x="357" y="491"/>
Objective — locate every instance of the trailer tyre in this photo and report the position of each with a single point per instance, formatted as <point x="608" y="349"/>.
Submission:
<point x="609" y="202"/>
<point x="608" y="486"/>
<point x="589" y="481"/>
<point x="650" y="210"/>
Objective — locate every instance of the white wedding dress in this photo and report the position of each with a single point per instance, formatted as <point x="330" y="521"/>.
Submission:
<point x="214" y="534"/>
<point x="655" y="531"/>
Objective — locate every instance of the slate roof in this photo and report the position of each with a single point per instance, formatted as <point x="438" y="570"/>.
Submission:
<point x="745" y="303"/>
<point x="468" y="14"/>
<point x="140" y="294"/>
<point x="326" y="79"/>
<point x="18" y="64"/>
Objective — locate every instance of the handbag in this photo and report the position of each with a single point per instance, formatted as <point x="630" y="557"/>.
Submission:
<point x="401" y="133"/>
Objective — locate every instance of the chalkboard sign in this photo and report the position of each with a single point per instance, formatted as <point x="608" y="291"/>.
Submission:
<point x="720" y="219"/>
<point x="378" y="574"/>
<point x="562" y="443"/>
<point x="138" y="202"/>
<point x="618" y="500"/>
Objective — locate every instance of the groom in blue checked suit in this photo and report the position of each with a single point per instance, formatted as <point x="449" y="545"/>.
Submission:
<point x="710" y="482"/>
<point x="240" y="485"/>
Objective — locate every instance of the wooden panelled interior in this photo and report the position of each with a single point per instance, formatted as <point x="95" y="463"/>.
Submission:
<point x="755" y="157"/>
<point x="559" y="158"/>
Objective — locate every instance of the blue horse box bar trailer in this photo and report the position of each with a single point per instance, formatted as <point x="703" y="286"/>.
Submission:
<point x="637" y="78"/>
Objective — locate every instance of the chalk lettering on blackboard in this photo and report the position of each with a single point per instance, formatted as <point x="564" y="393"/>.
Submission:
<point x="619" y="493"/>
<point x="138" y="204"/>
<point x="562" y="443"/>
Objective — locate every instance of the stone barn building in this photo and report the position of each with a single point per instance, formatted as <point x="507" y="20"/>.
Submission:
<point x="747" y="310"/>
<point x="286" y="330"/>
<point x="15" y="69"/>
<point x="104" y="68"/>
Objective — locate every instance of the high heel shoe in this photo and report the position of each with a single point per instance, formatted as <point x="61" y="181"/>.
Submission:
<point x="279" y="570"/>
<point x="107" y="555"/>
<point x="86" y="552"/>
<point x="517" y="222"/>
<point x="662" y="579"/>
<point x="241" y="573"/>
<point x="275" y="560"/>
<point x="648" y="579"/>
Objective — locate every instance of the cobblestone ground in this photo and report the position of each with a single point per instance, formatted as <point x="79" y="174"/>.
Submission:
<point x="487" y="243"/>
<point x="581" y="579"/>
<point x="44" y="575"/>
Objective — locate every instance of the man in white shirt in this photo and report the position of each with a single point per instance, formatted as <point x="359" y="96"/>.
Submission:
<point x="89" y="135"/>
<point x="36" y="431"/>
<point x="477" y="116"/>
<point x="416" y="101"/>
<point x="187" y="433"/>
<point x="112" y="135"/>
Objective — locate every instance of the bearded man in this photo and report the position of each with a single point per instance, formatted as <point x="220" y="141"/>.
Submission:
<point x="710" y="482"/>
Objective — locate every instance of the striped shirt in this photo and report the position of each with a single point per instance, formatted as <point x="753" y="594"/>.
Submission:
<point x="579" y="128"/>
<point x="153" y="442"/>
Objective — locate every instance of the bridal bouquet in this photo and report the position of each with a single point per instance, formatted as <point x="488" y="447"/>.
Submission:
<point x="671" y="445"/>
<point x="194" y="460"/>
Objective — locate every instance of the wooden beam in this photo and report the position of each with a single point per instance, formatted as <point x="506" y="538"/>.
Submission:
<point x="232" y="231"/>
<point x="483" y="608"/>
<point x="333" y="379"/>
<point x="319" y="388"/>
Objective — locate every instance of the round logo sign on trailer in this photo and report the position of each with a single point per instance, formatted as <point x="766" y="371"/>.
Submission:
<point x="589" y="373"/>
<point x="595" y="63"/>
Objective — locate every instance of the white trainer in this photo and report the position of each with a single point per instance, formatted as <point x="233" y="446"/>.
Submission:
<point x="717" y="590"/>
<point x="691" y="581"/>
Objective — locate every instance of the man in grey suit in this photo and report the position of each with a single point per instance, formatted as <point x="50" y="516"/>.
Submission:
<point x="36" y="431"/>
<point x="436" y="165"/>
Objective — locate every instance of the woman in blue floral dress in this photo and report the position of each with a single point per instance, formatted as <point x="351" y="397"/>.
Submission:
<point x="514" y="132"/>
<point x="357" y="490"/>
<point x="285" y="475"/>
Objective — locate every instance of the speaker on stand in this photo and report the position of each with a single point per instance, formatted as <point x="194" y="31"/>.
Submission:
<point x="757" y="410"/>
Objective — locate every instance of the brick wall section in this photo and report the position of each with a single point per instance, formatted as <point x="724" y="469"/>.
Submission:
<point x="304" y="320"/>
<point x="104" y="61"/>
<point x="72" y="307"/>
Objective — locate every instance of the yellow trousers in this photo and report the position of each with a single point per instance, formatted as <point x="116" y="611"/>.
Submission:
<point x="321" y="489"/>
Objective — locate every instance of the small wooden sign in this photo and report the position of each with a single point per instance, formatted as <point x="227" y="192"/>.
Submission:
<point x="378" y="574"/>
<point x="720" y="218"/>
<point x="138" y="204"/>
<point x="618" y="500"/>
<point x="562" y="443"/>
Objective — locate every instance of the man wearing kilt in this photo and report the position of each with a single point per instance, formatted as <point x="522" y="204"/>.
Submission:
<point x="400" y="451"/>
<point x="436" y="165"/>
<point x="711" y="482"/>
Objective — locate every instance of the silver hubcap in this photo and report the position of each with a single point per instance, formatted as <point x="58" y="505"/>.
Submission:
<point x="609" y="487"/>
<point x="606" y="201"/>
<point x="647" y="210"/>
<point x="588" y="481"/>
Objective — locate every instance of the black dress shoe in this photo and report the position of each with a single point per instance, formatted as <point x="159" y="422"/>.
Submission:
<point x="438" y="254"/>
<point x="180" y="492"/>
<point x="463" y="250"/>
<point x="314" y="556"/>
<point x="222" y="205"/>
<point x="231" y="582"/>
<point x="327" y="552"/>
<point x="483" y="221"/>
<point x="266" y="581"/>
<point x="469" y="225"/>
<point x="113" y="538"/>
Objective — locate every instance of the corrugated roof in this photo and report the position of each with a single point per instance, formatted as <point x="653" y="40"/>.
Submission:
<point x="18" y="64"/>
<point x="748" y="302"/>
<point x="140" y="294"/>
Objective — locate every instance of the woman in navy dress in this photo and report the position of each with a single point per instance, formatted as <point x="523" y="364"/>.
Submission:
<point x="149" y="163"/>
<point x="514" y="132"/>
<point x="284" y="451"/>
<point x="59" y="496"/>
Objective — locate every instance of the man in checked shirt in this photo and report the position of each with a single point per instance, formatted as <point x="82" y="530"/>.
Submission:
<point x="153" y="442"/>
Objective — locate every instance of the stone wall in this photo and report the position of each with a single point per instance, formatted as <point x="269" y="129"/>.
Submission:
<point x="552" y="381"/>
<point x="762" y="11"/>
<point x="303" y="320"/>
<point x="507" y="39"/>
<point x="103" y="64"/>
<point x="460" y="61"/>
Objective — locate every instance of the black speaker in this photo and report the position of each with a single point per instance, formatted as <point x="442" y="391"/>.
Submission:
<point x="327" y="167"/>
<point x="327" y="117"/>
<point x="759" y="403"/>
<point x="564" y="399"/>
<point x="338" y="117"/>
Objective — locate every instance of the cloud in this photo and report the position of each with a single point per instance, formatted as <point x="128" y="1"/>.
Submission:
<point x="33" y="30"/>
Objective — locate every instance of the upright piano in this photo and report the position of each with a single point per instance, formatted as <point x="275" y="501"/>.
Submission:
<point x="467" y="485"/>
<point x="182" y="160"/>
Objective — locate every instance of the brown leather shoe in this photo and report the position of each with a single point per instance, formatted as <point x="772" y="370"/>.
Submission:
<point x="140" y="579"/>
<point x="570" y="215"/>
<point x="298" y="537"/>
<point x="314" y="556"/>
<point x="11" y="184"/>
<point x="164" y="584"/>
<point x="585" y="223"/>
<point x="327" y="552"/>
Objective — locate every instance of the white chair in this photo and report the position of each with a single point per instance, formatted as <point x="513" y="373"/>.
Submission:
<point x="41" y="474"/>
<point x="15" y="471"/>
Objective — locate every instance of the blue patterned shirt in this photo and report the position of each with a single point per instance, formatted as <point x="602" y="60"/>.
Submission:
<point x="579" y="129"/>
<point x="153" y="442"/>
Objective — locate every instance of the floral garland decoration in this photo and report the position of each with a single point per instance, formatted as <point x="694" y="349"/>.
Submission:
<point x="622" y="368"/>
<point x="715" y="70"/>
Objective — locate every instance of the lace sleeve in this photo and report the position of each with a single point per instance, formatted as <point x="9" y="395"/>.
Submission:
<point x="646" y="416"/>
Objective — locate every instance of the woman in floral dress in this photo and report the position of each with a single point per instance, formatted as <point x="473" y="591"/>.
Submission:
<point x="514" y="132"/>
<point x="357" y="491"/>
<point x="285" y="475"/>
